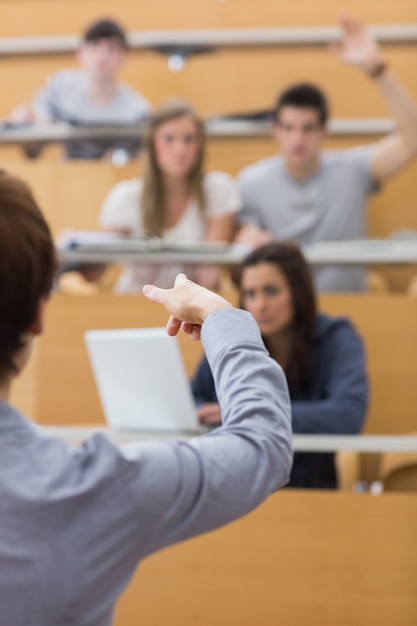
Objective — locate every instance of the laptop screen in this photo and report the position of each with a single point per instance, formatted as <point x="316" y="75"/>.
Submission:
<point x="141" y="380"/>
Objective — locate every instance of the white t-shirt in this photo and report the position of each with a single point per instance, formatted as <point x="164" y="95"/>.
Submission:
<point x="121" y="210"/>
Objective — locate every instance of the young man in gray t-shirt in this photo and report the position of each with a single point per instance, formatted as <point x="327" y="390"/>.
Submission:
<point x="307" y="195"/>
<point x="92" y="95"/>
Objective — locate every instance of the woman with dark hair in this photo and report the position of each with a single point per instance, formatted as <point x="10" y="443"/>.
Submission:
<point x="323" y="357"/>
<point x="175" y="200"/>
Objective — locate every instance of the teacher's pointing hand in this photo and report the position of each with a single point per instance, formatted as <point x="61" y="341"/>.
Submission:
<point x="188" y="303"/>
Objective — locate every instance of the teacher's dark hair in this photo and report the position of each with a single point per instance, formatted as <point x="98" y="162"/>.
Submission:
<point x="27" y="266"/>
<point x="287" y="257"/>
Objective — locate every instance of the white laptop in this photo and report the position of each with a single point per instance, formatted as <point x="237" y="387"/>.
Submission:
<point x="141" y="381"/>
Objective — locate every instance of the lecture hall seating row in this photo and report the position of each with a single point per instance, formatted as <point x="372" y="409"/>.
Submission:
<point x="71" y="193"/>
<point x="64" y="392"/>
<point x="225" y="81"/>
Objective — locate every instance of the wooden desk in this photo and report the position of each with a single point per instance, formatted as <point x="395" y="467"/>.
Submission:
<point x="388" y="326"/>
<point x="303" y="558"/>
<point x="65" y="392"/>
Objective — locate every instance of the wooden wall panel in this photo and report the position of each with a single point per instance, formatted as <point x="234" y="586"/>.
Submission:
<point x="302" y="558"/>
<point x="388" y="327"/>
<point x="40" y="176"/>
<point x="227" y="80"/>
<point x="70" y="193"/>
<point x="47" y="17"/>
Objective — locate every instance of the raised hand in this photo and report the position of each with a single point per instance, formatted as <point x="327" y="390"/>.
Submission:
<point x="188" y="303"/>
<point x="357" y="46"/>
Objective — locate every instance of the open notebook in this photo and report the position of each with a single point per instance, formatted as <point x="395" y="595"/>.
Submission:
<point x="141" y="381"/>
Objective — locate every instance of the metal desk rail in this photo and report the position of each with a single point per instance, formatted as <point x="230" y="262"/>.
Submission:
<point x="61" y="131"/>
<point x="302" y="443"/>
<point x="216" y="127"/>
<point x="363" y="252"/>
<point x="228" y="255"/>
<point x="165" y="40"/>
<point x="347" y="253"/>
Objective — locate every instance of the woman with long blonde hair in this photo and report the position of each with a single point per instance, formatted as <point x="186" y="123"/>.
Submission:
<point x="175" y="200"/>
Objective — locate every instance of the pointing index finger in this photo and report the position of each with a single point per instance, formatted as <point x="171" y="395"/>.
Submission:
<point x="155" y="294"/>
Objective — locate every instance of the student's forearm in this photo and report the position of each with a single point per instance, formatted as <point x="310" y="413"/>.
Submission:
<point x="399" y="148"/>
<point x="359" y="49"/>
<point x="400" y="104"/>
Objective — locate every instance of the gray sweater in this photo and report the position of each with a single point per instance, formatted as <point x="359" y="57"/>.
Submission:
<point x="76" y="520"/>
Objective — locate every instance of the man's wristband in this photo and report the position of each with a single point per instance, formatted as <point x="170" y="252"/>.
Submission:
<point x="377" y="70"/>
